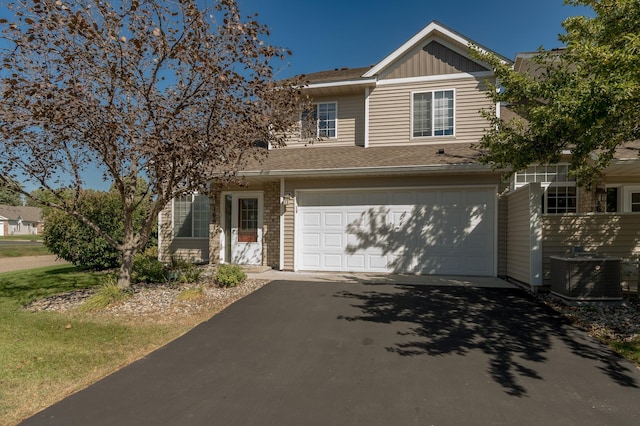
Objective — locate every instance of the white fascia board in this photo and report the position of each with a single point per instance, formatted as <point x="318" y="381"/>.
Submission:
<point x="429" y="78"/>
<point x="371" y="170"/>
<point x="370" y="81"/>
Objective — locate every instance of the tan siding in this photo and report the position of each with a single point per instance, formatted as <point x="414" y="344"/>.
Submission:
<point x="607" y="234"/>
<point x="289" y="235"/>
<point x="518" y="236"/>
<point x="390" y="112"/>
<point x="350" y="122"/>
<point x="502" y="234"/>
<point x="432" y="59"/>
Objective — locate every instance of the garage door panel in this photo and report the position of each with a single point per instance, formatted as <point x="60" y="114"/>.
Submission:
<point x="311" y="219"/>
<point x="332" y="262"/>
<point x="311" y="261"/>
<point x="437" y="231"/>
<point x="333" y="240"/>
<point x="356" y="262"/>
<point x="311" y="239"/>
<point x="333" y="219"/>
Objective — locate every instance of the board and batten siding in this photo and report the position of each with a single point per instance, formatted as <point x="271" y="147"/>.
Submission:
<point x="390" y="112"/>
<point x="350" y="122"/>
<point x="609" y="234"/>
<point x="432" y="59"/>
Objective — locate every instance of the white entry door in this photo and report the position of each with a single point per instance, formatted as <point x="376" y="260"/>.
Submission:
<point x="245" y="229"/>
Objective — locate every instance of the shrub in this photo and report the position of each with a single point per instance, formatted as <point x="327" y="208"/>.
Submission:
<point x="190" y="274"/>
<point x="191" y="293"/>
<point x="229" y="275"/>
<point x="106" y="295"/>
<point x="148" y="270"/>
<point x="182" y="271"/>
<point x="75" y="242"/>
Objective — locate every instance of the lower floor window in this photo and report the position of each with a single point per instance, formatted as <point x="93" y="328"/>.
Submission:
<point x="635" y="201"/>
<point x="561" y="199"/>
<point x="191" y="216"/>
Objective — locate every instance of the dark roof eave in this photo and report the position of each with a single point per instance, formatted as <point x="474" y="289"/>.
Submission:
<point x="386" y="170"/>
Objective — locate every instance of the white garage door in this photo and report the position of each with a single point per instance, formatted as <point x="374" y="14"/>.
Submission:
<point x="429" y="231"/>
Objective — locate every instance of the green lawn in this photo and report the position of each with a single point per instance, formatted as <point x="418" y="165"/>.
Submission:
<point x="19" y="250"/>
<point x="21" y="238"/>
<point x="44" y="356"/>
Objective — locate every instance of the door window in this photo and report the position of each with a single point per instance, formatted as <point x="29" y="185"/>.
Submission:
<point x="247" y="220"/>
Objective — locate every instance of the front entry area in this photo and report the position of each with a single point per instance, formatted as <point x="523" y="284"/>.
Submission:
<point x="445" y="231"/>
<point x="242" y="219"/>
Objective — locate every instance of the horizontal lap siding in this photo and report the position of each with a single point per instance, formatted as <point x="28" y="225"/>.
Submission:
<point x="350" y="122"/>
<point x="390" y="111"/>
<point x="518" y="236"/>
<point x="607" y="234"/>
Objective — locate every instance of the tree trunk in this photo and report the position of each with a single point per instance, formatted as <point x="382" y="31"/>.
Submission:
<point x="124" y="275"/>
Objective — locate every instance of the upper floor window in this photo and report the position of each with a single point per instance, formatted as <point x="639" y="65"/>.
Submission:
<point x="560" y="192"/>
<point x="433" y="113"/>
<point x="321" y="121"/>
<point x="191" y="216"/>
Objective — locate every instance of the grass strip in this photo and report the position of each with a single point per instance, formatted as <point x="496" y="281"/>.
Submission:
<point x="45" y="356"/>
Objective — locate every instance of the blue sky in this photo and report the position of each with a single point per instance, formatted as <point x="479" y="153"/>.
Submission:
<point x="355" y="33"/>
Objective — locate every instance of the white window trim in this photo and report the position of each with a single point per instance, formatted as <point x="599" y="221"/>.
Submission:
<point x="547" y="185"/>
<point x="173" y="224"/>
<point x="432" y="91"/>
<point x="627" y="191"/>
<point x="318" y="121"/>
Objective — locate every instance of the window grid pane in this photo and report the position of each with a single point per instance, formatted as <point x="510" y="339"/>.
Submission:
<point x="326" y="120"/>
<point x="443" y="113"/>
<point x="191" y="216"/>
<point x="201" y="216"/>
<point x="422" y="114"/>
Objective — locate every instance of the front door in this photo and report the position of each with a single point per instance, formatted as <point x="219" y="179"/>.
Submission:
<point x="243" y="211"/>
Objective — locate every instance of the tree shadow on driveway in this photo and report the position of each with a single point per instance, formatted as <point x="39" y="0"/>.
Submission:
<point x="511" y="328"/>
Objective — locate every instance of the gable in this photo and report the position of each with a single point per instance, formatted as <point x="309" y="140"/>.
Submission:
<point x="431" y="59"/>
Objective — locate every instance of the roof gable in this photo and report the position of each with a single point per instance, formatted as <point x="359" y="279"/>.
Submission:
<point x="456" y="42"/>
<point x="432" y="58"/>
<point x="26" y="213"/>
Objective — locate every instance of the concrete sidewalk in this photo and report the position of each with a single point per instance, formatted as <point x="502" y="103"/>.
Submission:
<point x="10" y="264"/>
<point x="377" y="278"/>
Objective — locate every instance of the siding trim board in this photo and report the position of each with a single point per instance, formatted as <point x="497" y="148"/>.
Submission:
<point x="435" y="78"/>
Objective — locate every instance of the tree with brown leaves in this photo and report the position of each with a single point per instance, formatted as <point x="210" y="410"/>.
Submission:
<point x="141" y="89"/>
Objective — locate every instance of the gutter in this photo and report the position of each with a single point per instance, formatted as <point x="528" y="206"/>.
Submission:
<point x="477" y="168"/>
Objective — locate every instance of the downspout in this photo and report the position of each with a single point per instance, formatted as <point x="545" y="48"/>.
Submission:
<point x="281" y="261"/>
<point x="366" y="116"/>
<point x="160" y="235"/>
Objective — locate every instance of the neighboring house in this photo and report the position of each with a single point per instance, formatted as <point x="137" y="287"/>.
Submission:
<point x="20" y="220"/>
<point x="394" y="184"/>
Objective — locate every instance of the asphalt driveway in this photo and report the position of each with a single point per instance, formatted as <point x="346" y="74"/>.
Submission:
<point x="309" y="353"/>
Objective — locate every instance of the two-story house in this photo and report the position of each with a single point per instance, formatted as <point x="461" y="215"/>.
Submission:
<point x="392" y="184"/>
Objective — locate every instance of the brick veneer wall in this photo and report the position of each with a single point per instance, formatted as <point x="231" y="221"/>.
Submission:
<point x="271" y="225"/>
<point x="587" y="201"/>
